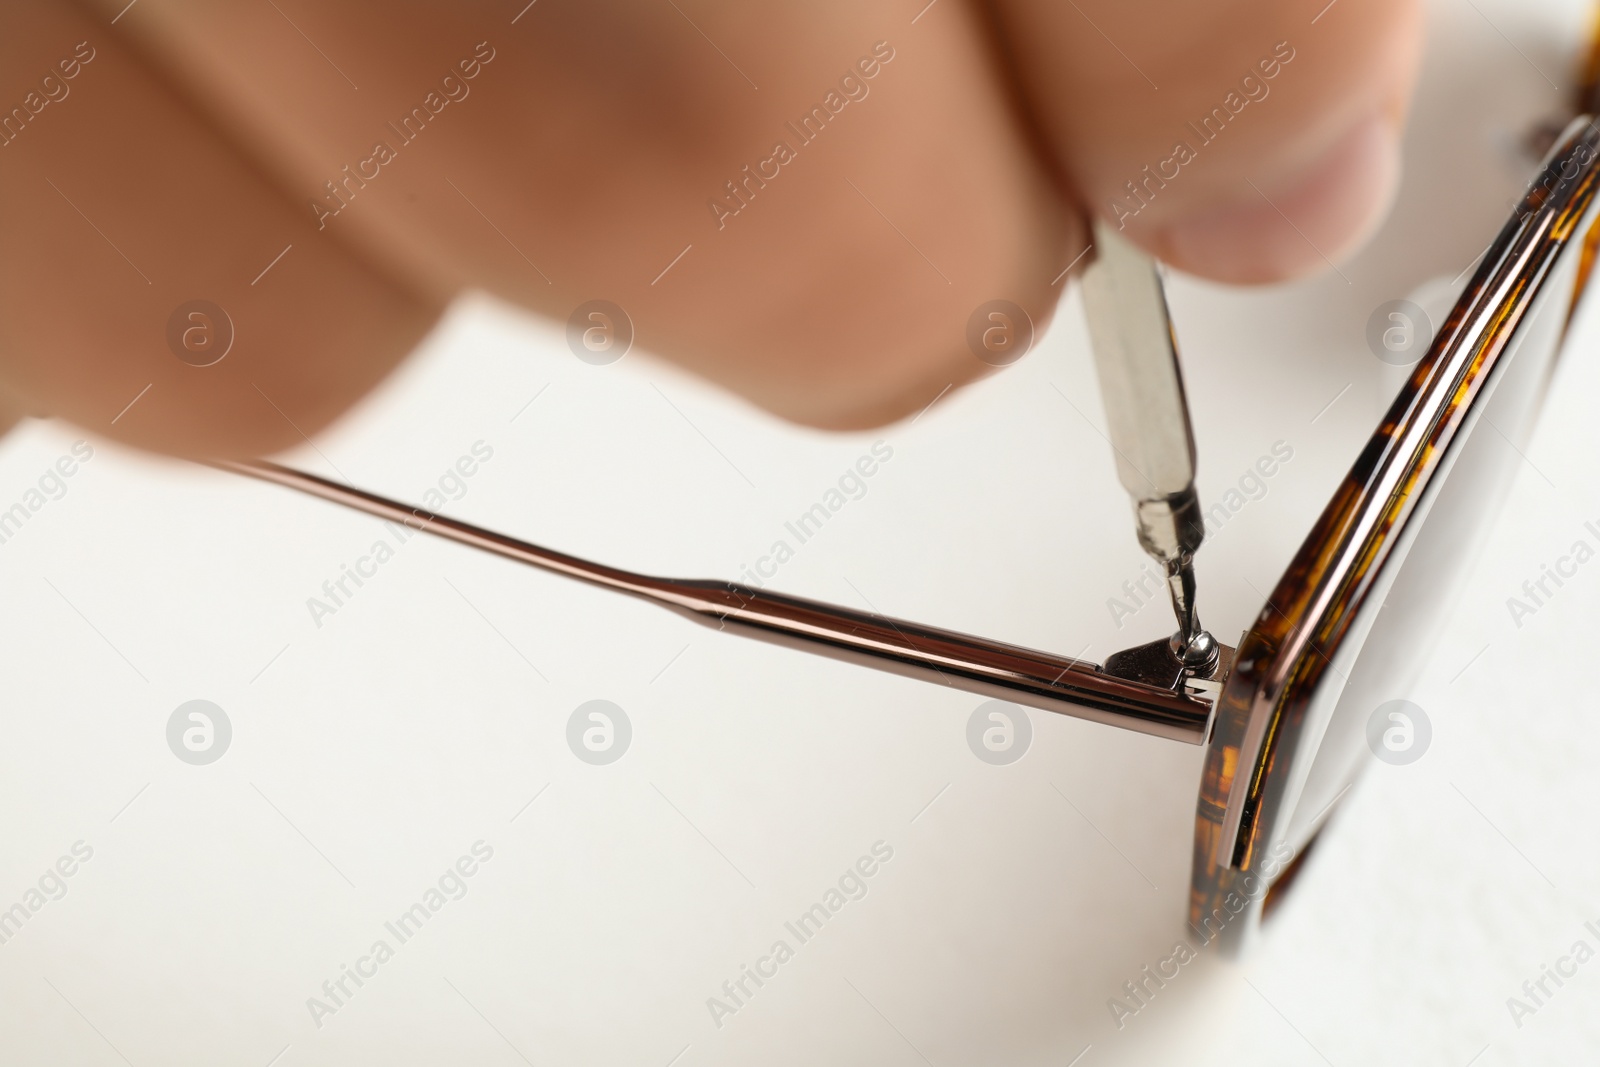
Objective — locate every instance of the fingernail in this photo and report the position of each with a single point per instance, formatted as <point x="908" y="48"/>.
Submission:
<point x="1299" y="222"/>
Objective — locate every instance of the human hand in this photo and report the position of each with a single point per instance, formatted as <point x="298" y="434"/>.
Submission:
<point x="933" y="159"/>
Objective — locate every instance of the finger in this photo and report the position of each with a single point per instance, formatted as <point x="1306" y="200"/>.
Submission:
<point x="1245" y="140"/>
<point x="120" y="207"/>
<point x="616" y="150"/>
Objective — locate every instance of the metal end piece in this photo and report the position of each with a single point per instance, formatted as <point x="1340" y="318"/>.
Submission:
<point x="1160" y="663"/>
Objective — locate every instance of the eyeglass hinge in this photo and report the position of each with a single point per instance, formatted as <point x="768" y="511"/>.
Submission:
<point x="1157" y="664"/>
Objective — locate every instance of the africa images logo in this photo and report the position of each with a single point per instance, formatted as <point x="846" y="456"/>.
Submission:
<point x="1253" y="88"/>
<point x="852" y="885"/>
<point x="853" y="87"/>
<point x="453" y="88"/>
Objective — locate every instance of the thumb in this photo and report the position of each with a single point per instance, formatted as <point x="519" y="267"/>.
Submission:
<point x="1242" y="140"/>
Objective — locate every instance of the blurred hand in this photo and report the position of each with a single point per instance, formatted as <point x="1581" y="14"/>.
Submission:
<point x="804" y="200"/>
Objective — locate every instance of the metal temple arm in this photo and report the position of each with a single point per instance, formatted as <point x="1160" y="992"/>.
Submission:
<point x="1038" y="679"/>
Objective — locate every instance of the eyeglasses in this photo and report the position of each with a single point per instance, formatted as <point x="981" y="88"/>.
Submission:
<point x="1284" y="717"/>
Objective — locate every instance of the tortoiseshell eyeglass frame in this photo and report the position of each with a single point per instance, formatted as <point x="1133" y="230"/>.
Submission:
<point x="1294" y="709"/>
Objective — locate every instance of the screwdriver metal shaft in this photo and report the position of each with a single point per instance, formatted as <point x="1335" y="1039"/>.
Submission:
<point x="1147" y="417"/>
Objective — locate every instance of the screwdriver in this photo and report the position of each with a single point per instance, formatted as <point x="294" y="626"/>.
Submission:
<point x="1147" y="415"/>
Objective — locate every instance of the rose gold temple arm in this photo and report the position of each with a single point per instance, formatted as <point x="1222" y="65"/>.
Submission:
<point x="988" y="668"/>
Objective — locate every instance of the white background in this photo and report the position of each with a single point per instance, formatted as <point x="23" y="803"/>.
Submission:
<point x="372" y="751"/>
